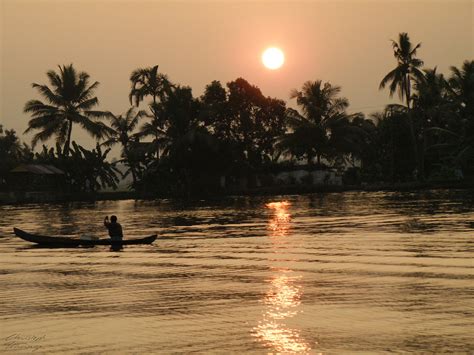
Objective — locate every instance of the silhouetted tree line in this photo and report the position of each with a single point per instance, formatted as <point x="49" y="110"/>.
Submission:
<point x="182" y="144"/>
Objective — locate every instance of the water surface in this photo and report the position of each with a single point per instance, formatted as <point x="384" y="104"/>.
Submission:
<point x="321" y="273"/>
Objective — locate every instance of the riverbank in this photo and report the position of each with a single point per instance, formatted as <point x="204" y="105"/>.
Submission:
<point x="305" y="189"/>
<point x="39" y="197"/>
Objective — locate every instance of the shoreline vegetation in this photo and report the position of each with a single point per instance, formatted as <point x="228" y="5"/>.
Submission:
<point x="13" y="199"/>
<point x="234" y="140"/>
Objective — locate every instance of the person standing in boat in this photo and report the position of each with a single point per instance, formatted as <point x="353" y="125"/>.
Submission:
<point x="115" y="229"/>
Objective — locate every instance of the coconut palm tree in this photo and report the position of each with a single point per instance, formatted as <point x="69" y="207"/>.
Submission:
<point x="400" y="78"/>
<point x="156" y="128"/>
<point x="431" y="94"/>
<point x="322" y="124"/>
<point x="462" y="84"/>
<point x="458" y="132"/>
<point x="407" y="69"/>
<point x="121" y="128"/>
<point x="432" y="107"/>
<point x="10" y="151"/>
<point x="306" y="139"/>
<point x="121" y="132"/>
<point x="148" y="82"/>
<point x="70" y="100"/>
<point x="182" y="110"/>
<point x="389" y="144"/>
<point x="319" y="101"/>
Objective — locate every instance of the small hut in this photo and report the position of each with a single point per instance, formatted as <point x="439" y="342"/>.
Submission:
<point x="36" y="177"/>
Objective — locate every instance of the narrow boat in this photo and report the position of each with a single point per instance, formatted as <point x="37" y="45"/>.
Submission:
<point x="75" y="242"/>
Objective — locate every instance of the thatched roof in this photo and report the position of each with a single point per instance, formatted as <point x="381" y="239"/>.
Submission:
<point x="41" y="169"/>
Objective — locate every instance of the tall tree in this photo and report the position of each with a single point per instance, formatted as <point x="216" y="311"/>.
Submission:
<point x="407" y="69"/>
<point x="432" y="107"/>
<point x="460" y="135"/>
<point x="390" y="153"/>
<point x="254" y="121"/>
<point x="148" y="82"/>
<point x="216" y="117"/>
<point x="462" y="84"/>
<point x="9" y="152"/>
<point x="401" y="77"/>
<point x="122" y="127"/>
<point x="70" y="100"/>
<point x="121" y="132"/>
<point x="323" y="127"/>
<point x="188" y="144"/>
<point x="214" y="110"/>
<point x="305" y="138"/>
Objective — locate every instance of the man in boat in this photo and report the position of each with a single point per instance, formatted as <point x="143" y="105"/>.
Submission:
<point x="115" y="229"/>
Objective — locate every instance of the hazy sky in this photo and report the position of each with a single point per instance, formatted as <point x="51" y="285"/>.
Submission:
<point x="346" y="42"/>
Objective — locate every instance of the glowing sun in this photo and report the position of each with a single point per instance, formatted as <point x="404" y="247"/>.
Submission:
<point x="273" y="58"/>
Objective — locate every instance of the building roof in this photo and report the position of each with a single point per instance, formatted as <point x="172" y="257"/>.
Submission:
<point x="42" y="169"/>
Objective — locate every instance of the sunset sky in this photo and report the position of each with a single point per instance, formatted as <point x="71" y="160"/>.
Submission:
<point x="345" y="42"/>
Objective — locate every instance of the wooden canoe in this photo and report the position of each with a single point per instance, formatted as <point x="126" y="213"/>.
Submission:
<point x="75" y="242"/>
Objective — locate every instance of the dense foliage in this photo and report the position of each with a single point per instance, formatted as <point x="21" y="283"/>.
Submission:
<point x="180" y="144"/>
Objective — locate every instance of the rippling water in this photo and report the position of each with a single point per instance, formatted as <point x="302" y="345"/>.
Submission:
<point x="322" y="273"/>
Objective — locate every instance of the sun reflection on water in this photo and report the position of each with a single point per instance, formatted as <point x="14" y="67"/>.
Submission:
<point x="282" y="301"/>
<point x="279" y="224"/>
<point x="283" y="298"/>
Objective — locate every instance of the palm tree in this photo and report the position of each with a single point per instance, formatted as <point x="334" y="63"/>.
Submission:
<point x="182" y="110"/>
<point x="155" y="128"/>
<point x="387" y="142"/>
<point x="10" y="152"/>
<point x="407" y="68"/>
<point x="305" y="139"/>
<point x="432" y="107"/>
<point x="459" y="134"/>
<point x="400" y="78"/>
<point x="431" y="95"/>
<point x="462" y="84"/>
<point x="322" y="124"/>
<point x="148" y="82"/>
<point x="121" y="128"/>
<point x="187" y="149"/>
<point x="70" y="99"/>
<point x="319" y="102"/>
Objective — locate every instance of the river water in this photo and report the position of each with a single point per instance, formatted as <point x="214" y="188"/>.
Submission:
<point x="322" y="273"/>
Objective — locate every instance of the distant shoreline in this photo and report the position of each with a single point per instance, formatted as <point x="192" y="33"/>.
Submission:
<point x="9" y="198"/>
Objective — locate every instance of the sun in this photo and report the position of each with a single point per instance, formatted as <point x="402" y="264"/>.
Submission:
<point x="273" y="58"/>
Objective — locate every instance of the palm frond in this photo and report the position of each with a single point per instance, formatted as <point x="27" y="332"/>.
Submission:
<point x="43" y="121"/>
<point x="38" y="108"/>
<point x="87" y="104"/>
<point x="95" y="114"/>
<point x="87" y="93"/>
<point x="54" y="78"/>
<point x="48" y="130"/>
<point x="49" y="95"/>
<point x="96" y="129"/>
<point x="390" y="77"/>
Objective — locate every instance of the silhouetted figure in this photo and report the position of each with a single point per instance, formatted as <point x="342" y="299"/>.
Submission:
<point x="115" y="229"/>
